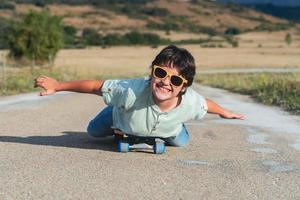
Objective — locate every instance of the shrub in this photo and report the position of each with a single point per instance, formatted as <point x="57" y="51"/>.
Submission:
<point x="91" y="37"/>
<point x="38" y="36"/>
<point x="232" y="31"/>
<point x="231" y="40"/>
<point x="208" y="30"/>
<point x="7" y="5"/>
<point x="112" y="39"/>
<point x="134" y="38"/>
<point x="69" y="35"/>
<point x="157" y="12"/>
<point x="288" y="39"/>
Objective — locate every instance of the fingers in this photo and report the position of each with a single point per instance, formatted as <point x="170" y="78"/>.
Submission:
<point x="230" y="115"/>
<point x="44" y="93"/>
<point x="39" y="82"/>
<point x="242" y="117"/>
<point x="46" y="83"/>
<point x="238" y="116"/>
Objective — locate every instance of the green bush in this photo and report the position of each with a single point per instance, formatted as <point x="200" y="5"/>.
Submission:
<point x="208" y="30"/>
<point x="155" y="12"/>
<point x="113" y="39"/>
<point x="231" y="40"/>
<point x="232" y="31"/>
<point x="6" y="5"/>
<point x="69" y="35"/>
<point x="38" y="36"/>
<point x="288" y="39"/>
<point x="91" y="37"/>
<point x="135" y="38"/>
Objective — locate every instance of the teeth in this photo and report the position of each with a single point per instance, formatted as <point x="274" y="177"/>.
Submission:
<point x="164" y="89"/>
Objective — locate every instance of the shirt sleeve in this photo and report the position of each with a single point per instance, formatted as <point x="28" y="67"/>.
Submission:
<point x="121" y="93"/>
<point x="197" y="106"/>
<point x="201" y="106"/>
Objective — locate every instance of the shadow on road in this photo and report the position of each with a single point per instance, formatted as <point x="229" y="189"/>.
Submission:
<point x="70" y="139"/>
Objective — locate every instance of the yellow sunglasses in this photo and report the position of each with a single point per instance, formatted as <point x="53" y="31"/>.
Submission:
<point x="161" y="73"/>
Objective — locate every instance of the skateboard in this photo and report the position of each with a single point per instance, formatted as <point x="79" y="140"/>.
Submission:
<point x="128" y="143"/>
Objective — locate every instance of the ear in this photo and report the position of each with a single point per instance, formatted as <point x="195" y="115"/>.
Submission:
<point x="183" y="89"/>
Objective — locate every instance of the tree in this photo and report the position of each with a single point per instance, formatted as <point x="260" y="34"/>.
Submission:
<point x="4" y="31"/>
<point x="288" y="39"/>
<point x="38" y="36"/>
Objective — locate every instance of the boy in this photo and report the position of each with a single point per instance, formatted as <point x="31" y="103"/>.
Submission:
<point x="156" y="106"/>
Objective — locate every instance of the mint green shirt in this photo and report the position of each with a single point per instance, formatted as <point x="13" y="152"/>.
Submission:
<point x="135" y="113"/>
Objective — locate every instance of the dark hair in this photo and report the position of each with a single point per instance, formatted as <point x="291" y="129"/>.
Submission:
<point x="179" y="58"/>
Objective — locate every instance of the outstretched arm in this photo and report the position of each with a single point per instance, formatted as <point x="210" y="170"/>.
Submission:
<point x="222" y="112"/>
<point x="51" y="86"/>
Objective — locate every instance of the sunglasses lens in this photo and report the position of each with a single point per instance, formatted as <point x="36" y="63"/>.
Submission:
<point x="160" y="73"/>
<point x="176" y="80"/>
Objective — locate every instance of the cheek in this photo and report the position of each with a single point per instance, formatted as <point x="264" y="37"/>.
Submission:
<point x="152" y="83"/>
<point x="177" y="91"/>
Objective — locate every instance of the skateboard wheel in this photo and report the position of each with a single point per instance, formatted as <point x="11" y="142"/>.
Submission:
<point x="123" y="147"/>
<point x="159" y="148"/>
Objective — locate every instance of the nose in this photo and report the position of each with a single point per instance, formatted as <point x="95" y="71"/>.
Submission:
<point x="166" y="80"/>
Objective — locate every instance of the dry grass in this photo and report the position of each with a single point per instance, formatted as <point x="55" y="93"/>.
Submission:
<point x="63" y="10"/>
<point x="177" y="36"/>
<point x="128" y="60"/>
<point x="117" y="60"/>
<point x="25" y="8"/>
<point x="124" y="61"/>
<point x="5" y="14"/>
<point x="269" y="40"/>
<point x="272" y="53"/>
<point x="108" y="21"/>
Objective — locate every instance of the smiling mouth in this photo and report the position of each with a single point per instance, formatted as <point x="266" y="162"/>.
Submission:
<point x="162" y="88"/>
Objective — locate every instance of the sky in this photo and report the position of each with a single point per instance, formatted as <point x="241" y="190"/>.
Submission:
<point x="275" y="2"/>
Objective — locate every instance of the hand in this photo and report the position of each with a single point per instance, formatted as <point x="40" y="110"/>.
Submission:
<point x="230" y="115"/>
<point x="47" y="83"/>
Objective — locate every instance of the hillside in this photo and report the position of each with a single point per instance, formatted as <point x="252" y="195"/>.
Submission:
<point x="166" y="15"/>
<point x="147" y="22"/>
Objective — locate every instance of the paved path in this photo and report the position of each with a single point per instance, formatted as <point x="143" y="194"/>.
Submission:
<point x="46" y="154"/>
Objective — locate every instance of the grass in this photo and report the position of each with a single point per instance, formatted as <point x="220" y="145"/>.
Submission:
<point x="18" y="81"/>
<point x="21" y="80"/>
<point x="272" y="89"/>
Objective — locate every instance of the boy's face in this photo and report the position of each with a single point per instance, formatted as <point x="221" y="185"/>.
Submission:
<point x="162" y="88"/>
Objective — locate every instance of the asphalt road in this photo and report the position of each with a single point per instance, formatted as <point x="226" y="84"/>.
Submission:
<point x="45" y="153"/>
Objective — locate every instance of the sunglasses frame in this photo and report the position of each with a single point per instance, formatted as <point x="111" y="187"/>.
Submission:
<point x="184" y="81"/>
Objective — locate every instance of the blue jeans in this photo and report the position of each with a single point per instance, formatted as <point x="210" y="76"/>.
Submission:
<point x="100" y="126"/>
